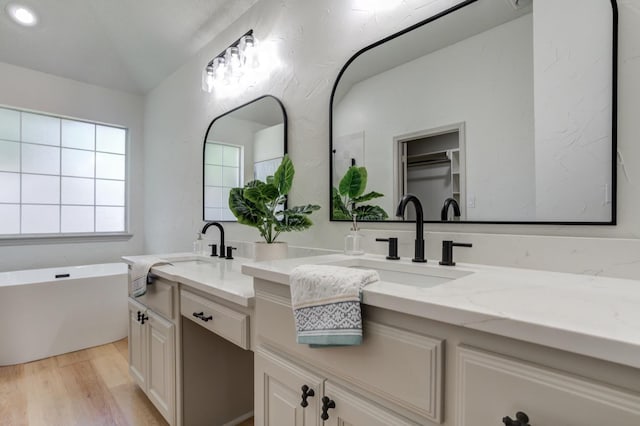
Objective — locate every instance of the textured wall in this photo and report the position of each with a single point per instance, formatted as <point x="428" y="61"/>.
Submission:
<point x="24" y="88"/>
<point x="314" y="39"/>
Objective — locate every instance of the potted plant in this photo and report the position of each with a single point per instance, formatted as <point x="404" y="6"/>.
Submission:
<point x="261" y="205"/>
<point x="349" y="196"/>
<point x="347" y="199"/>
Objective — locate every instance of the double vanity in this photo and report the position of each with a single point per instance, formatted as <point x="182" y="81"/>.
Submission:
<point x="464" y="345"/>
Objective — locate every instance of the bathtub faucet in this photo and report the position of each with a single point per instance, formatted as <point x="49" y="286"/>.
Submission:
<point x="219" y="226"/>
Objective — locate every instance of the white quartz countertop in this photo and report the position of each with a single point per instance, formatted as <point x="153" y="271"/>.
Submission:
<point x="588" y="315"/>
<point x="219" y="277"/>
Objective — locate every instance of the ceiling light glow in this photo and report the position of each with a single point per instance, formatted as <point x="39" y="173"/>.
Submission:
<point x="22" y="14"/>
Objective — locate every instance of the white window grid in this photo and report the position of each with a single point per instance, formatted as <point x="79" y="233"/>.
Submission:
<point x="60" y="175"/>
<point x="224" y="211"/>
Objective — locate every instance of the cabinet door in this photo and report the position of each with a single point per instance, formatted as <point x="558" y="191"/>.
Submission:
<point x="278" y="392"/>
<point x="137" y="345"/>
<point x="353" y="410"/>
<point x="492" y="386"/>
<point x="161" y="359"/>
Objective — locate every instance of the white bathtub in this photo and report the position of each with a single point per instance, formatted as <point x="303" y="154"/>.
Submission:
<point x="42" y="316"/>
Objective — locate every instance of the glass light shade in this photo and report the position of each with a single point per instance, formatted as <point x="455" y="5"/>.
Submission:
<point x="233" y="58"/>
<point x="248" y="56"/>
<point x="208" y="78"/>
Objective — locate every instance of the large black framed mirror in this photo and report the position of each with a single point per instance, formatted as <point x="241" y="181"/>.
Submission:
<point x="506" y="107"/>
<point x="241" y="145"/>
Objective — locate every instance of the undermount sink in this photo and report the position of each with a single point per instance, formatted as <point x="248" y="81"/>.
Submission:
<point x="416" y="275"/>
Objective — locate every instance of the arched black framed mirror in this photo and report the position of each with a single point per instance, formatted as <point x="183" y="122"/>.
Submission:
<point x="243" y="144"/>
<point x="506" y="107"/>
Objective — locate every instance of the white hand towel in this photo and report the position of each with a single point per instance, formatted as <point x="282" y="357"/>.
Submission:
<point x="139" y="272"/>
<point x="326" y="303"/>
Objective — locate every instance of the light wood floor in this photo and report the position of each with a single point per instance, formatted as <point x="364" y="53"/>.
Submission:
<point x="90" y="387"/>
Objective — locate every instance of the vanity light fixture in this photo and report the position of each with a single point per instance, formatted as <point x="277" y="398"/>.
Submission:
<point x="22" y="14"/>
<point x="238" y="60"/>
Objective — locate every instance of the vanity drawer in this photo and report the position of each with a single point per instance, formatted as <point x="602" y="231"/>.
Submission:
<point x="225" y="322"/>
<point x="397" y="365"/>
<point x="491" y="387"/>
<point x="159" y="297"/>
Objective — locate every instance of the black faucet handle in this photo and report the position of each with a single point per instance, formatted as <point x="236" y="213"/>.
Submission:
<point x="393" y="247"/>
<point x="214" y="249"/>
<point x="447" y="251"/>
<point x="230" y="252"/>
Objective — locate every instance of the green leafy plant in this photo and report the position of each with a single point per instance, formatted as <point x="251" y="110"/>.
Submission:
<point x="261" y="204"/>
<point x="350" y="193"/>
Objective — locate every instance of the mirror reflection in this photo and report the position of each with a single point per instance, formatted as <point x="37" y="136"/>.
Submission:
<point x="244" y="144"/>
<point x="490" y="113"/>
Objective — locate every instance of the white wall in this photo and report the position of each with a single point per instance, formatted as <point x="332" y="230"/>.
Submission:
<point x="267" y="143"/>
<point x="485" y="81"/>
<point x="28" y="89"/>
<point x="573" y="137"/>
<point x="315" y="39"/>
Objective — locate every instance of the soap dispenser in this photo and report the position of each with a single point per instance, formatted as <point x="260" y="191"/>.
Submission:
<point x="353" y="241"/>
<point x="198" y="245"/>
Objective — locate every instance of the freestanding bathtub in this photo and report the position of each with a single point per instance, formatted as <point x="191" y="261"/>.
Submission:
<point x="42" y="316"/>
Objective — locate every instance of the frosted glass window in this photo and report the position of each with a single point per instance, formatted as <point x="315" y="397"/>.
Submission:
<point x="213" y="214"/>
<point x="9" y="156"/>
<point x="212" y="196"/>
<point x="109" y="219"/>
<point x="111" y="139"/>
<point x="212" y="175"/>
<point x="110" y="166"/>
<point x="77" y="191"/>
<point x="9" y="124"/>
<point x="9" y="187"/>
<point x="59" y="175"/>
<point x="78" y="163"/>
<point x="40" y="159"/>
<point x="109" y="193"/>
<point x="42" y="129"/>
<point x="213" y="154"/>
<point x="77" y="134"/>
<point x="230" y="156"/>
<point x="227" y="215"/>
<point x="40" y="189"/>
<point x="40" y="219"/>
<point x="230" y="177"/>
<point x="9" y="218"/>
<point x="76" y="219"/>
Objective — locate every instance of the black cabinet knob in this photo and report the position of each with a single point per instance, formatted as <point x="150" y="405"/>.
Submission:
<point x="326" y="405"/>
<point x="521" y="420"/>
<point x="306" y="393"/>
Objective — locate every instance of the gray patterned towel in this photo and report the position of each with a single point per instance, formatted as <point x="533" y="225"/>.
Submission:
<point x="326" y="303"/>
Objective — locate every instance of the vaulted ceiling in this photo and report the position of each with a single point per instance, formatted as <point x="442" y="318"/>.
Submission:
<point x="129" y="45"/>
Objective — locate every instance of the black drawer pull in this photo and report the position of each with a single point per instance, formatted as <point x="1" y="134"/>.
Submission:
<point x="205" y="319"/>
<point x="326" y="405"/>
<point x="521" y="420"/>
<point x="306" y="393"/>
<point x="143" y="318"/>
<point x="198" y="314"/>
<point x="63" y="275"/>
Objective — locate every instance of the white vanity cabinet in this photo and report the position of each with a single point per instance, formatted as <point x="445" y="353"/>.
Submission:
<point x="394" y="377"/>
<point x="152" y="345"/>
<point x="397" y="376"/>
<point x="291" y="395"/>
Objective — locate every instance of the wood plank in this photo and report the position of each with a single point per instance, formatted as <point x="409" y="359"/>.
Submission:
<point x="91" y="400"/>
<point x="13" y="401"/>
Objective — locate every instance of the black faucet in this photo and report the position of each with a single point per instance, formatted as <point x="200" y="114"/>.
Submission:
<point x="444" y="214"/>
<point x="219" y="226"/>
<point x="419" y="253"/>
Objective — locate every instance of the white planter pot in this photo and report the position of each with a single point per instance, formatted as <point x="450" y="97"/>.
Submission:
<point x="273" y="251"/>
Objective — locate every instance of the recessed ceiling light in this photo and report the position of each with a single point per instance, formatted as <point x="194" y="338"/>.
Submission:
<point x="22" y="14"/>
